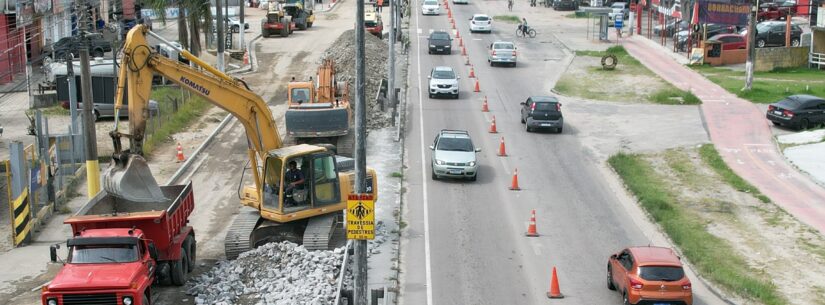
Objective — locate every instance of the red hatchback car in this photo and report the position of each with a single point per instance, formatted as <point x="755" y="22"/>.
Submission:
<point x="731" y="41"/>
<point x="649" y="276"/>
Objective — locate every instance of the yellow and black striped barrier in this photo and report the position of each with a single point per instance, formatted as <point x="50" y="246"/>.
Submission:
<point x="21" y="216"/>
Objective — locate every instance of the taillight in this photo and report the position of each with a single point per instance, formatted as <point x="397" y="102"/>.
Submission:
<point x="514" y="53"/>
<point x="558" y="106"/>
<point x="533" y="107"/>
<point x="788" y="113"/>
<point x="494" y="52"/>
<point x="636" y="284"/>
<point x="771" y="107"/>
<point x="686" y="286"/>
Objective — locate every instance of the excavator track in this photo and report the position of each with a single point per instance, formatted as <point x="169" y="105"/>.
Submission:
<point x="319" y="231"/>
<point x="238" y="236"/>
<point x="346" y="144"/>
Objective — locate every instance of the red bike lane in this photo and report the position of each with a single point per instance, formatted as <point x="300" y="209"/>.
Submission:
<point x="742" y="136"/>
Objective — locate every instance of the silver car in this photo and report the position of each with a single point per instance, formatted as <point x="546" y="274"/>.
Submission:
<point x="443" y="81"/>
<point x="454" y="155"/>
<point x="502" y="52"/>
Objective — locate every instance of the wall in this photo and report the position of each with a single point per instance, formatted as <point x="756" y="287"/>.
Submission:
<point x="768" y="59"/>
<point x="12" y="55"/>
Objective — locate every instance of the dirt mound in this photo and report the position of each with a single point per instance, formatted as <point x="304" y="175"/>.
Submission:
<point x="342" y="51"/>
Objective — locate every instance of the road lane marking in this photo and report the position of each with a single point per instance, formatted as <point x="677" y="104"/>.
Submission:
<point x="427" y="273"/>
<point x="418" y="30"/>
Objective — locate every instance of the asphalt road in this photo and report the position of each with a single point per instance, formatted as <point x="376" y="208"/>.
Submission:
<point x="465" y="243"/>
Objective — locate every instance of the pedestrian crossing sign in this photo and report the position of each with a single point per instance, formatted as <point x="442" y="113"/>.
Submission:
<point x="360" y="217"/>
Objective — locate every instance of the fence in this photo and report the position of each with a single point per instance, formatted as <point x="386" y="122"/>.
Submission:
<point x="169" y="100"/>
<point x="23" y="178"/>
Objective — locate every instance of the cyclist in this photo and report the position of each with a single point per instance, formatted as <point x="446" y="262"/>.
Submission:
<point x="523" y="26"/>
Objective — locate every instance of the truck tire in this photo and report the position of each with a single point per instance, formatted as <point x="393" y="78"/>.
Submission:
<point x="265" y="33"/>
<point x="147" y="298"/>
<point x="97" y="53"/>
<point x="179" y="269"/>
<point x="285" y="28"/>
<point x="191" y="245"/>
<point x="309" y="24"/>
<point x="301" y="23"/>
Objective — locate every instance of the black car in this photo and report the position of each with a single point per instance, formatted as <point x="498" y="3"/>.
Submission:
<point x="671" y="28"/>
<point x="97" y="46"/>
<point x="440" y="42"/>
<point x="565" y="5"/>
<point x="772" y="33"/>
<point x="542" y="112"/>
<point x="798" y="111"/>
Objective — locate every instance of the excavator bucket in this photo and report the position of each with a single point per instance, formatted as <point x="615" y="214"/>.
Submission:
<point x="129" y="178"/>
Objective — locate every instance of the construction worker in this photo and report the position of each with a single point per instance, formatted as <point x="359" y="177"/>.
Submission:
<point x="379" y="4"/>
<point x="295" y="181"/>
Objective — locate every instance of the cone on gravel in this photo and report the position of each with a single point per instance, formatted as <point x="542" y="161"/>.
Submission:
<point x="477" y="89"/>
<point x="555" y="292"/>
<point x="514" y="184"/>
<point x="531" y="229"/>
<point x="180" y="156"/>
<point x="472" y="72"/>
<point x="484" y="106"/>
<point x="502" y="151"/>
<point x="493" y="126"/>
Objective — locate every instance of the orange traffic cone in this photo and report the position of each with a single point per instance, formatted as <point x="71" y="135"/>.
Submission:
<point x="181" y="158"/>
<point x="477" y="89"/>
<point x="502" y="151"/>
<point x="464" y="52"/>
<point x="531" y="229"/>
<point x="472" y="72"/>
<point x="493" y="126"/>
<point x="461" y="42"/>
<point x="449" y="14"/>
<point x="457" y="34"/>
<point x="514" y="184"/>
<point x="554" y="292"/>
<point x="245" y="58"/>
<point x="453" y="22"/>
<point x="484" y="107"/>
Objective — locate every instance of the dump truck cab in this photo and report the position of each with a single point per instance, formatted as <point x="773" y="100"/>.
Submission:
<point x="372" y="22"/>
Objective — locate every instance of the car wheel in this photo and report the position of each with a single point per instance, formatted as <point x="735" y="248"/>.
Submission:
<point x="147" y="297"/>
<point x="760" y="43"/>
<point x="527" y="128"/>
<point x="474" y="177"/>
<point x="625" y="300"/>
<point x="455" y="96"/>
<point x="795" y="42"/>
<point x="96" y="115"/>
<point x="610" y="284"/>
<point x="523" y="121"/>
<point x="434" y="176"/>
<point x="97" y="53"/>
<point x="429" y="52"/>
<point x="803" y="125"/>
<point x="431" y="95"/>
<point x="236" y="29"/>
<point x="559" y="130"/>
<point x="514" y="65"/>
<point x="776" y="123"/>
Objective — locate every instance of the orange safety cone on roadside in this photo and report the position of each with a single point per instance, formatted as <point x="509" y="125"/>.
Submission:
<point x="531" y="229"/>
<point x="461" y="42"/>
<point x="477" y="89"/>
<point x="472" y="72"/>
<point x="245" y="58"/>
<point x="514" y="184"/>
<point x="493" y="126"/>
<point x="484" y="106"/>
<point x="449" y="13"/>
<point x="180" y="156"/>
<point x="464" y="52"/>
<point x="457" y="34"/>
<point x="554" y="292"/>
<point x="453" y="22"/>
<point x="502" y="151"/>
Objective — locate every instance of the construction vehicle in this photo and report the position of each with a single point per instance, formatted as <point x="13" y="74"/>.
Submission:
<point x="301" y="13"/>
<point x="372" y="22"/>
<point x="119" y="248"/>
<point x="277" y="21"/>
<point x="279" y="211"/>
<point x="320" y="113"/>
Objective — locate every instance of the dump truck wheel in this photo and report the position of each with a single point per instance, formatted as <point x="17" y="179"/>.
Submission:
<point x="179" y="269"/>
<point x="309" y="24"/>
<point x="265" y="33"/>
<point x="191" y="249"/>
<point x="285" y="28"/>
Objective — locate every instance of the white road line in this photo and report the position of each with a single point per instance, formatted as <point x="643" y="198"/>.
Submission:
<point x="427" y="272"/>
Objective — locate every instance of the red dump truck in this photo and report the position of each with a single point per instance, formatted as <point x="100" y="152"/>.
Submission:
<point x="119" y="248"/>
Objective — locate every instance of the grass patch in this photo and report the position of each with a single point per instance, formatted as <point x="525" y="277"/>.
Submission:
<point x="507" y="18"/>
<point x="714" y="257"/>
<point x="56" y="110"/>
<point x="397" y="175"/>
<point x="189" y="110"/>
<point x="768" y="87"/>
<point x="680" y="163"/>
<point x="714" y="160"/>
<point x="674" y="96"/>
<point x="577" y="16"/>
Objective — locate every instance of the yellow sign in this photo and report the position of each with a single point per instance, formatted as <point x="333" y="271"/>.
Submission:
<point x="360" y="217"/>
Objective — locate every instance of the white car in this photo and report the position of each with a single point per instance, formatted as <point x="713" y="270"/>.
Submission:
<point x="443" y="81"/>
<point x="430" y="7"/>
<point x="481" y="23"/>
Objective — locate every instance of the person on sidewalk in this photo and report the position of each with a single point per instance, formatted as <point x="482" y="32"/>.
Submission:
<point x="510" y="5"/>
<point x="379" y="4"/>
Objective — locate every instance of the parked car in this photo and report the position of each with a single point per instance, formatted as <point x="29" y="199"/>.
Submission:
<point x="565" y="5"/>
<point x="481" y="23"/>
<point x="502" y="52"/>
<point x="713" y="29"/>
<point x="731" y="41"/>
<point x="772" y="33"/>
<point x="771" y="11"/>
<point x="461" y="2"/>
<point x="97" y="48"/>
<point x="649" y="275"/>
<point x="798" y="111"/>
<point x="440" y="42"/>
<point x="671" y="28"/>
<point x="619" y="8"/>
<point x="542" y="112"/>
<point x="443" y="81"/>
<point x="430" y="7"/>
<point x="454" y="155"/>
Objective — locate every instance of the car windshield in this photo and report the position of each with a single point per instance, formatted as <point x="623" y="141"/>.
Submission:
<point x="431" y="3"/>
<point x="443" y="75"/>
<point x="661" y="273"/>
<point x="481" y="18"/>
<point x="440" y="36"/>
<point x="370" y="23"/>
<point x="104" y="254"/>
<point x="763" y="27"/>
<point x="503" y="46"/>
<point x="545" y="106"/>
<point x="455" y="144"/>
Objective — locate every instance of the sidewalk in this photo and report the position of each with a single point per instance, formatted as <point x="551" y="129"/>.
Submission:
<point x="742" y="136"/>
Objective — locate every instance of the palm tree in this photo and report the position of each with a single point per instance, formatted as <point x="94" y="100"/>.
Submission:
<point x="194" y="16"/>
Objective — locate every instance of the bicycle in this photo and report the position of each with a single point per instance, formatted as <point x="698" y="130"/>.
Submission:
<point x="530" y="32"/>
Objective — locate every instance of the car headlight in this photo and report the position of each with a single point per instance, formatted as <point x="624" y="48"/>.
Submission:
<point x="51" y="302"/>
<point x="127" y="300"/>
<point x="472" y="163"/>
<point x="439" y="162"/>
<point x="433" y="86"/>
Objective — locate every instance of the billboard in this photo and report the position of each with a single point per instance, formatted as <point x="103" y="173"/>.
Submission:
<point x="728" y="12"/>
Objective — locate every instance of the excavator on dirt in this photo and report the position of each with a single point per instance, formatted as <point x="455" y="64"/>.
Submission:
<point x="307" y="212"/>
<point x="319" y="112"/>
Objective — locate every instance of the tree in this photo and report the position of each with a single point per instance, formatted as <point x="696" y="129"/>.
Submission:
<point x="194" y="18"/>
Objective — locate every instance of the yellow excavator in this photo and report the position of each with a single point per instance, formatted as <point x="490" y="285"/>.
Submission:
<point x="307" y="212"/>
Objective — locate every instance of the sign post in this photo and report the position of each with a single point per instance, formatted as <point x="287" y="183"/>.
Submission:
<point x="360" y="217"/>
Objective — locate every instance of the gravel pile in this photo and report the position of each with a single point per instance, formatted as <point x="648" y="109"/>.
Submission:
<point x="342" y="52"/>
<point x="273" y="274"/>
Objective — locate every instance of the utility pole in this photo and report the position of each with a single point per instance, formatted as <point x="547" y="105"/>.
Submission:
<point x="92" y="168"/>
<point x="241" y="28"/>
<point x="360" y="289"/>
<point x="221" y="40"/>
<point x="72" y="92"/>
<point x="749" y="65"/>
<point x="391" y="87"/>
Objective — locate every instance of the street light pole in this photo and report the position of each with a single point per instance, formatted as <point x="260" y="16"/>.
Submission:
<point x="221" y="40"/>
<point x="90" y="137"/>
<point x="749" y="65"/>
<point x="360" y="290"/>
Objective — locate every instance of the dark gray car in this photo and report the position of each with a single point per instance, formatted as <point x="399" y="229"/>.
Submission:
<point x="542" y="112"/>
<point x="798" y="111"/>
<point x="440" y="42"/>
